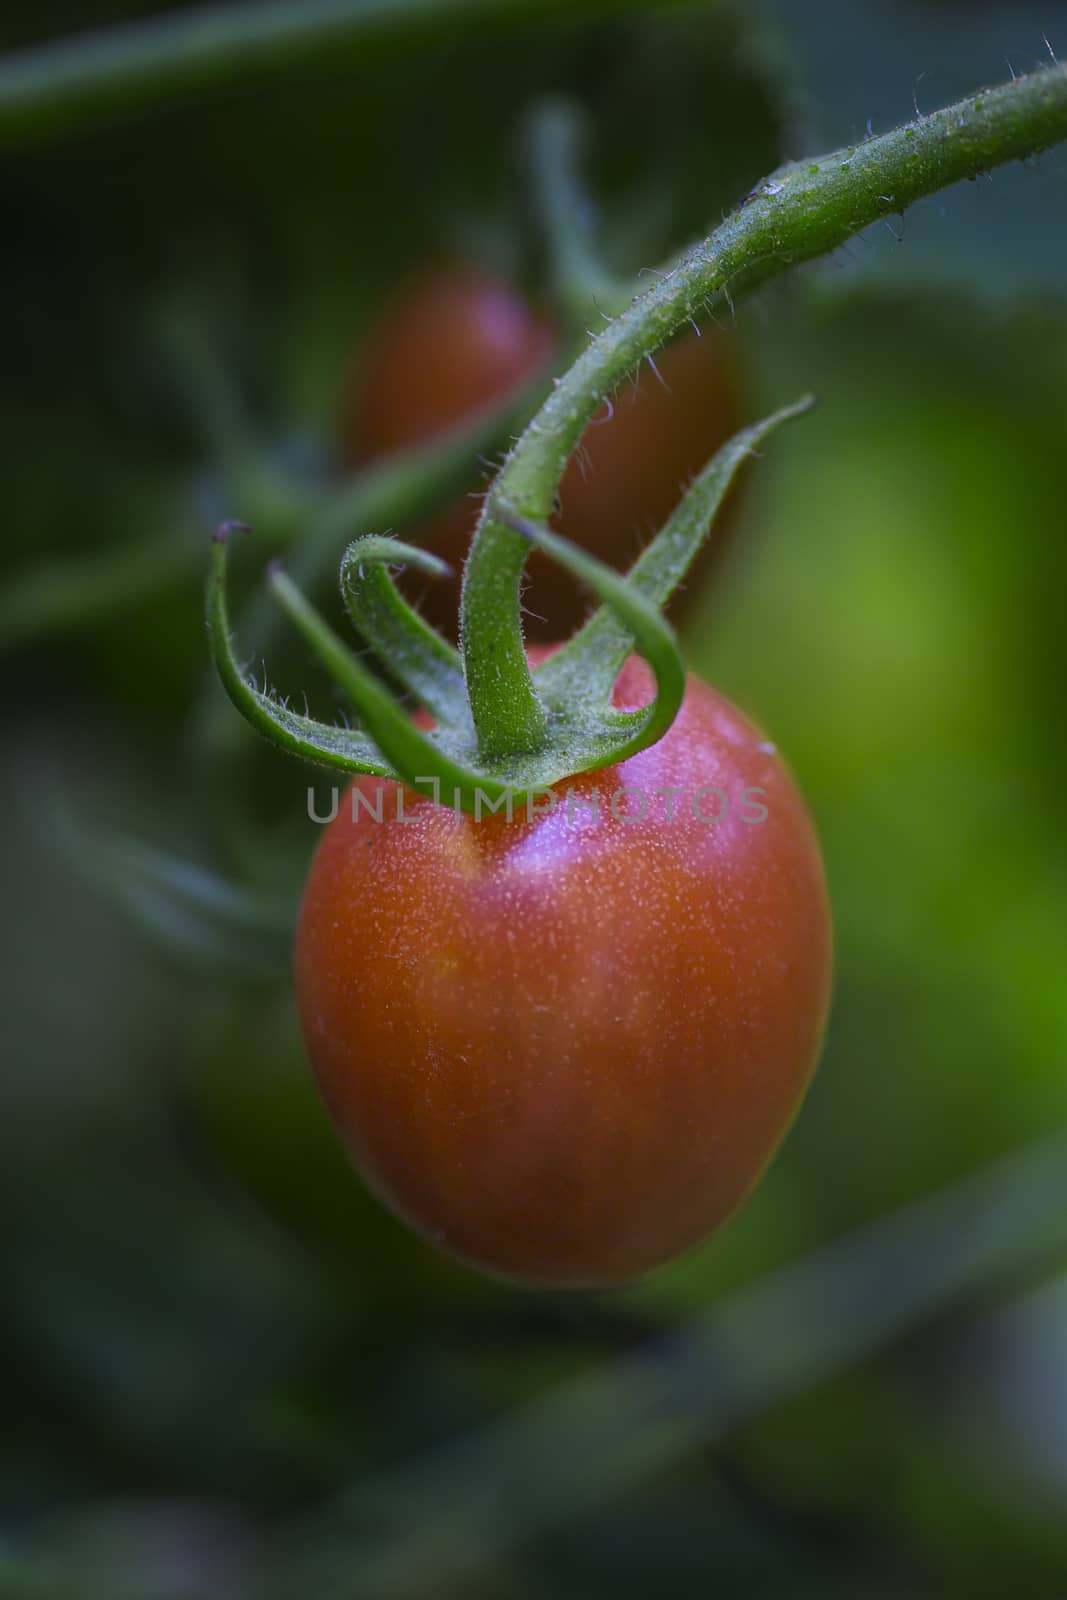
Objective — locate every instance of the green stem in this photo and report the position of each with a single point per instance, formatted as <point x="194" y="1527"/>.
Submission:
<point x="582" y="285"/>
<point x="801" y="211"/>
<point x="590" y="661"/>
<point x="60" y="87"/>
<point x="640" y="621"/>
<point x="512" y="719"/>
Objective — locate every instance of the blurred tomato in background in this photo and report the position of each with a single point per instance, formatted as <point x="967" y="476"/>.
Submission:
<point x="452" y="340"/>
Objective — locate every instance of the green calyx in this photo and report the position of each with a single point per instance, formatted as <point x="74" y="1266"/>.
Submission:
<point x="457" y="762"/>
<point x="498" y="726"/>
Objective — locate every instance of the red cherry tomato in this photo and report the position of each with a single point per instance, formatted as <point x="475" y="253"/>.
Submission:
<point x="454" y="340"/>
<point x="566" y="1046"/>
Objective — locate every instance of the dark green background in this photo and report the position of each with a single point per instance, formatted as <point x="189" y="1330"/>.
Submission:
<point x="223" y="1370"/>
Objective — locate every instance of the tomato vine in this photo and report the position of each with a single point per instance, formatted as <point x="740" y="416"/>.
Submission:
<point x="502" y="724"/>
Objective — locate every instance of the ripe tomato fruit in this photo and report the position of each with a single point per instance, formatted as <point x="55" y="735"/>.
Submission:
<point x="566" y="1046"/>
<point x="456" y="339"/>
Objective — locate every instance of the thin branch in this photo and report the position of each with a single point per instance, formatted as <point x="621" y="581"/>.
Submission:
<point x="61" y="87"/>
<point x="802" y="211"/>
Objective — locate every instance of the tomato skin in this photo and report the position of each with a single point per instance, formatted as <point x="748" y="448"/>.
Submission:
<point x="565" y="1048"/>
<point x="455" y="339"/>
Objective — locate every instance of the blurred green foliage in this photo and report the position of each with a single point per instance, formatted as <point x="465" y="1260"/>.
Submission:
<point x="219" y="1353"/>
